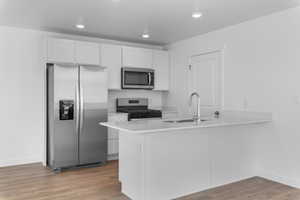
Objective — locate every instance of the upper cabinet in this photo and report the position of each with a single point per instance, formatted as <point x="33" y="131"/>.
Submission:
<point x="111" y="58"/>
<point x="70" y="51"/>
<point x="114" y="57"/>
<point x="161" y="67"/>
<point x="137" y="57"/>
<point x="61" y="50"/>
<point x="87" y="53"/>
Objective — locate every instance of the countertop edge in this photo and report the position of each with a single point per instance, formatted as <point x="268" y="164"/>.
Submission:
<point x="249" y="122"/>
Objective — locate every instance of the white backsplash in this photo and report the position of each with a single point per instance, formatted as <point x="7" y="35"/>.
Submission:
<point x="155" y="97"/>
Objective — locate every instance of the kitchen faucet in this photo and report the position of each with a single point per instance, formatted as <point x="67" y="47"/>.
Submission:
<point x="196" y="117"/>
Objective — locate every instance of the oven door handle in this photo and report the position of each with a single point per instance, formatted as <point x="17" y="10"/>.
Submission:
<point x="150" y="78"/>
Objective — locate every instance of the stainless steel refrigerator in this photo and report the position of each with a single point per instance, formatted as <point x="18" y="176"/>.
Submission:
<point x="76" y="104"/>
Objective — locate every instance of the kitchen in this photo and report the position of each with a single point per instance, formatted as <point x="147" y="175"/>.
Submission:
<point x="250" y="77"/>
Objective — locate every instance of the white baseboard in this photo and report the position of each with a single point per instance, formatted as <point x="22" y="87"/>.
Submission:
<point x="35" y="159"/>
<point x="234" y="180"/>
<point x="280" y="179"/>
<point x="264" y="174"/>
<point x="20" y="160"/>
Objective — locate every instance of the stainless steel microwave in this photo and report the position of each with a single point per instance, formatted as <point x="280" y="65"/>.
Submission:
<point x="137" y="78"/>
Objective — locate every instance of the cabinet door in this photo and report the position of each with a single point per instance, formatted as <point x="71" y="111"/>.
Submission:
<point x="161" y="66"/>
<point x="111" y="149"/>
<point x="60" y="50"/>
<point x="87" y="53"/>
<point x="113" y="135"/>
<point x="189" y="158"/>
<point x="137" y="57"/>
<point x="116" y="117"/>
<point x="111" y="57"/>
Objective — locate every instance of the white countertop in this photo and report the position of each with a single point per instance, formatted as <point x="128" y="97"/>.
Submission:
<point x="227" y="118"/>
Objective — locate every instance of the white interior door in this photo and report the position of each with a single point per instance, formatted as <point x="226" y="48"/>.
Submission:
<point x="206" y="78"/>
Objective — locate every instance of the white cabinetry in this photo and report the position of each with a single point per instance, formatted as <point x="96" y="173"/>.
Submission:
<point x="87" y="53"/>
<point x="137" y="57"/>
<point x="61" y="50"/>
<point x="113" y="135"/>
<point x="111" y="57"/>
<point x="151" y="156"/>
<point x="161" y="67"/>
<point x="70" y="51"/>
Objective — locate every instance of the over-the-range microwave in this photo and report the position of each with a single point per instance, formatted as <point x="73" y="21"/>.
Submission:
<point x="137" y="78"/>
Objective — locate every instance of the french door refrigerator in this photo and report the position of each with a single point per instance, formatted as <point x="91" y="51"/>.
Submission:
<point x="76" y="104"/>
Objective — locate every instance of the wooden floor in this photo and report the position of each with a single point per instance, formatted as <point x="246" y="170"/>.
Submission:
<point x="33" y="182"/>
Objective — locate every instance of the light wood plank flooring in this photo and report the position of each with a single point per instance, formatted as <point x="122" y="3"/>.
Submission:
<point x="34" y="182"/>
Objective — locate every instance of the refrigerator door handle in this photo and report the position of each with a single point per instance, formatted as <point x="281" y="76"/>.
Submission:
<point x="81" y="110"/>
<point x="77" y="103"/>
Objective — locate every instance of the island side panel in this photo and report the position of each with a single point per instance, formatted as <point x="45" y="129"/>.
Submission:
<point x="170" y="164"/>
<point x="177" y="163"/>
<point x="182" y="162"/>
<point x="131" y="165"/>
<point x="233" y="154"/>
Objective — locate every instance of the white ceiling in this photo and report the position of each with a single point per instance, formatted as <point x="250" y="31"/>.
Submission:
<point x="167" y="20"/>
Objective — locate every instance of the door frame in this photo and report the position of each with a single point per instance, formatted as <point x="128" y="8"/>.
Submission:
<point x="221" y="51"/>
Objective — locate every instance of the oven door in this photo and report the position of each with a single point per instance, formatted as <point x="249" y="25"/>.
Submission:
<point x="137" y="78"/>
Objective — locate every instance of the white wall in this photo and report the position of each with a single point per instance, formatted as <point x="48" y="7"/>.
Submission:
<point x="22" y="92"/>
<point x="261" y="73"/>
<point x="22" y="96"/>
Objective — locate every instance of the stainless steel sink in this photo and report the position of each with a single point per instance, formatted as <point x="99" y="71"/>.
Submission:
<point x="185" y="120"/>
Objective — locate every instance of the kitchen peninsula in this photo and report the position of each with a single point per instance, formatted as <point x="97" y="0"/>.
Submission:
<point x="167" y="159"/>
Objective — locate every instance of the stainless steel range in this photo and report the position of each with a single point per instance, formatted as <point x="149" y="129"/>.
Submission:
<point x="137" y="108"/>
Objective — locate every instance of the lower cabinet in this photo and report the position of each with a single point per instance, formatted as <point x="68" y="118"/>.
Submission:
<point x="113" y="135"/>
<point x="113" y="147"/>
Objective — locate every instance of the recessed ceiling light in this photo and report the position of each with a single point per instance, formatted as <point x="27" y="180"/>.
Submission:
<point x="145" y="35"/>
<point x="196" y="14"/>
<point x="80" y="26"/>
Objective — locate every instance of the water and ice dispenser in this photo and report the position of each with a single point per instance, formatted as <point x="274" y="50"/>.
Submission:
<point x="66" y="109"/>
